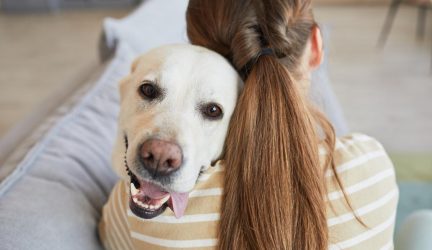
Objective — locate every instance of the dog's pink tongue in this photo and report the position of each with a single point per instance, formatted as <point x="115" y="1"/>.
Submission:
<point x="178" y="203"/>
<point x="151" y="190"/>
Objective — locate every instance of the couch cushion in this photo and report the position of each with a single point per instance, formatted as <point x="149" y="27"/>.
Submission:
<point x="54" y="197"/>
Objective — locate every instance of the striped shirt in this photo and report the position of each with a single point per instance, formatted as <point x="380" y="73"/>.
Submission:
<point x="363" y="166"/>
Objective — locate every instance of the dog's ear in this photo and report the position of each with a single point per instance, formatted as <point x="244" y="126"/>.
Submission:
<point x="134" y="64"/>
<point x="122" y="86"/>
<point x="127" y="78"/>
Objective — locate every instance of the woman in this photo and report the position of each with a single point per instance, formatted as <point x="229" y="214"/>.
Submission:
<point x="275" y="189"/>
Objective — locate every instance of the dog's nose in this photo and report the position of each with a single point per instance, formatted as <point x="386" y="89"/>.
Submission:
<point x="160" y="157"/>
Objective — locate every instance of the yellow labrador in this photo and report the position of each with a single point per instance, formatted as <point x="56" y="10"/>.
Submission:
<point x="176" y="105"/>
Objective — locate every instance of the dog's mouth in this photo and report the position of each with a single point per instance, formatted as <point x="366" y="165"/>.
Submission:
<point x="148" y="200"/>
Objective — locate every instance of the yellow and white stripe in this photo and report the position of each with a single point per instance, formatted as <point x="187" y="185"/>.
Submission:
<point x="361" y="162"/>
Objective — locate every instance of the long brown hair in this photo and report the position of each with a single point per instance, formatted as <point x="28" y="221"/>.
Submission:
<point x="274" y="186"/>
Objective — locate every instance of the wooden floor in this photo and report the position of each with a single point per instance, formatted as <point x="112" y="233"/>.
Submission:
<point x="385" y="93"/>
<point x="42" y="54"/>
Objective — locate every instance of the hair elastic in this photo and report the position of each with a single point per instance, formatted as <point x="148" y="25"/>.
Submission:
<point x="266" y="51"/>
<point x="244" y="72"/>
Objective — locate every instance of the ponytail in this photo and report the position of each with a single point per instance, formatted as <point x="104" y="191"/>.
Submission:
<point x="273" y="193"/>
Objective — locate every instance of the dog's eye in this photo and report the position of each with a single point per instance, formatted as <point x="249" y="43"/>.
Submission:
<point x="212" y="111"/>
<point x="149" y="91"/>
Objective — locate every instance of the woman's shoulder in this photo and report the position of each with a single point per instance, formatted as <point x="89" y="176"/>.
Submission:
<point x="360" y="158"/>
<point x="359" y="149"/>
<point x="363" y="167"/>
<point x="368" y="178"/>
<point x="358" y="141"/>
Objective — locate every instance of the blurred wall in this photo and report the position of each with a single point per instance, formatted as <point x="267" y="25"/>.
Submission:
<point x="53" y="5"/>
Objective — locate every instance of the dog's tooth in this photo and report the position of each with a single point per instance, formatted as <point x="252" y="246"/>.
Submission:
<point x="135" y="199"/>
<point x="164" y="200"/>
<point x="134" y="191"/>
<point x="152" y="207"/>
<point x="158" y="206"/>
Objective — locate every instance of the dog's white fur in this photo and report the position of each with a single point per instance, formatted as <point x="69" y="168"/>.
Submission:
<point x="189" y="76"/>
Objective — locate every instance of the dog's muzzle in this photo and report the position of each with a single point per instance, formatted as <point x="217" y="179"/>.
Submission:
<point x="147" y="199"/>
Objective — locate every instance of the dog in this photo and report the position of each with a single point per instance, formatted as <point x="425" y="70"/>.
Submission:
<point x="175" y="108"/>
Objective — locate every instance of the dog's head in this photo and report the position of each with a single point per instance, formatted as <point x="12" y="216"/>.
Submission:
<point x="175" y="109"/>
